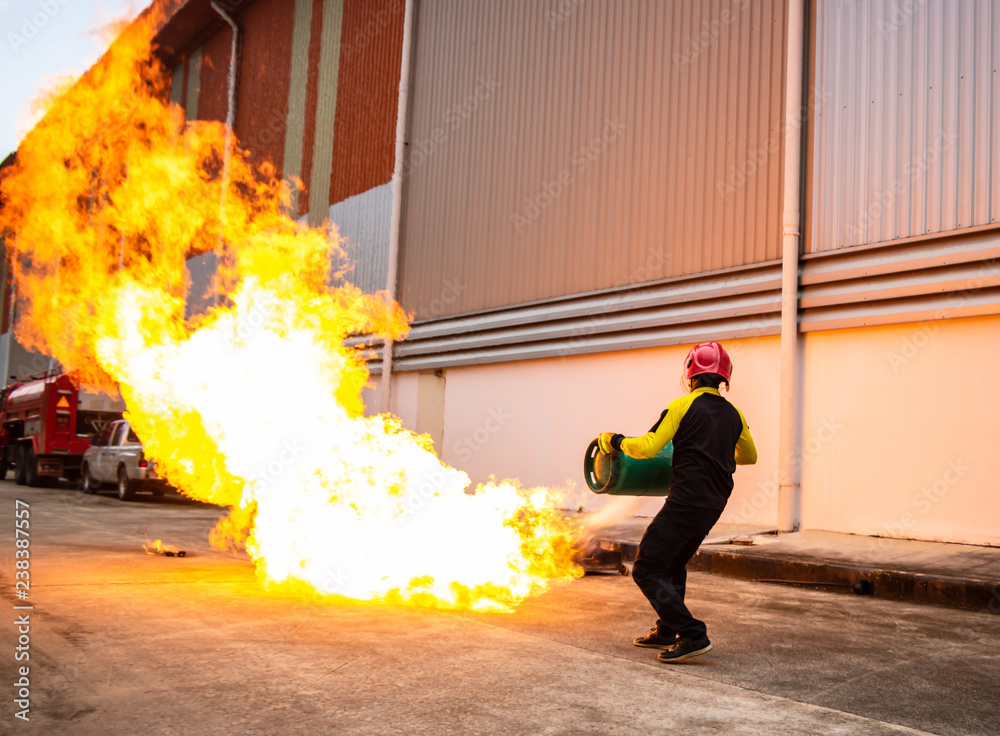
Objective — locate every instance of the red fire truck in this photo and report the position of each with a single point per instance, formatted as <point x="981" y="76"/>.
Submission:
<point x="47" y="423"/>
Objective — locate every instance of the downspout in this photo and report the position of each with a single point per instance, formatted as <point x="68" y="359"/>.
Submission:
<point x="230" y="125"/>
<point x="789" y="490"/>
<point x="402" y="106"/>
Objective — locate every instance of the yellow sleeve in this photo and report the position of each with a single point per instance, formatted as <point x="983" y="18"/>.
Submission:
<point x="650" y="444"/>
<point x="746" y="451"/>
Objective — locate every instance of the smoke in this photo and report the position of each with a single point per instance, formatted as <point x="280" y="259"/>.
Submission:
<point x="618" y="509"/>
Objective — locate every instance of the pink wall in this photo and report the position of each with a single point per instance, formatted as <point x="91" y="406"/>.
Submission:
<point x="896" y="441"/>
<point x="533" y="420"/>
<point x="913" y="425"/>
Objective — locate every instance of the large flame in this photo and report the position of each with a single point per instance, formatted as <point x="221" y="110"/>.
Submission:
<point x="257" y="404"/>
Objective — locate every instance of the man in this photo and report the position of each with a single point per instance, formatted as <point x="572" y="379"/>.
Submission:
<point x="710" y="438"/>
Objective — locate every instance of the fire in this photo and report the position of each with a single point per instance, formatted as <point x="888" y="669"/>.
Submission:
<point x="157" y="547"/>
<point x="255" y="405"/>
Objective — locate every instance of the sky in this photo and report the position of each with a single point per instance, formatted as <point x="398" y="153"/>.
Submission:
<point x="42" y="41"/>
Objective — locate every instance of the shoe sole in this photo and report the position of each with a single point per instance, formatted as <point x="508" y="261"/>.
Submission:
<point x="674" y="660"/>
<point x="653" y="646"/>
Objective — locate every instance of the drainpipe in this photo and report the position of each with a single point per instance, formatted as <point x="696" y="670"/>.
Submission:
<point x="397" y="194"/>
<point x="789" y="492"/>
<point x="230" y="125"/>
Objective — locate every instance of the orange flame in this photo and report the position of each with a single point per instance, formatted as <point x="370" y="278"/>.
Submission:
<point x="157" y="547"/>
<point x="255" y="405"/>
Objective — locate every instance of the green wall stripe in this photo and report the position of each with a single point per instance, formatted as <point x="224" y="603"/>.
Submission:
<point x="295" y="125"/>
<point x="177" y="84"/>
<point x="326" y="112"/>
<point x="194" y="86"/>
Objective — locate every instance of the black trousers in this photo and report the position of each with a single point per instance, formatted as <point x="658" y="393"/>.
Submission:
<point x="660" y="569"/>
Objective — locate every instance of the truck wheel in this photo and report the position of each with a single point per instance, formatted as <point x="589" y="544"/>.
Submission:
<point x="90" y="486"/>
<point x="125" y="490"/>
<point x="20" y="467"/>
<point x="31" y="469"/>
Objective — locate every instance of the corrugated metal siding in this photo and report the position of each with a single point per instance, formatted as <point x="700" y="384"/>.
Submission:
<point x="177" y="84"/>
<point x="193" y="86"/>
<point x="312" y="96"/>
<point x="185" y="79"/>
<point x="368" y="91"/>
<point x="296" y="121"/>
<point x="6" y="281"/>
<point x="214" y="97"/>
<point x="326" y="111"/>
<point x="734" y="303"/>
<point x="902" y="281"/>
<point x="264" y="78"/>
<point x="363" y="224"/>
<point x="559" y="148"/>
<point x="907" y="143"/>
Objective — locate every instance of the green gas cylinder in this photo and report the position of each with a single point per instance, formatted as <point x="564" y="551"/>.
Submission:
<point x="618" y="474"/>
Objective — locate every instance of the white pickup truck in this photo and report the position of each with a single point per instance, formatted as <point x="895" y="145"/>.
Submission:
<point x="116" y="456"/>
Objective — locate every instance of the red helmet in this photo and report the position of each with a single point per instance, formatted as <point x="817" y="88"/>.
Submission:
<point x="708" y="357"/>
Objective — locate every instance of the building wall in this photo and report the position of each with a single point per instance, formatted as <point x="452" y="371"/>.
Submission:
<point x="213" y="99"/>
<point x="450" y="268"/>
<point x="902" y="420"/>
<point x="264" y="79"/>
<point x="894" y="442"/>
<point x="906" y="141"/>
<point x="321" y="107"/>
<point x="534" y="419"/>
<point x="368" y="91"/>
<point x="904" y="157"/>
<point x="559" y="148"/>
<point x="352" y="86"/>
<point x="177" y="84"/>
<point x="364" y="136"/>
<point x="533" y="299"/>
<point x="300" y="62"/>
<point x="317" y="86"/>
<point x="404" y="398"/>
<point x="295" y="127"/>
<point x="362" y="223"/>
<point x="21" y="363"/>
<point x="193" y="89"/>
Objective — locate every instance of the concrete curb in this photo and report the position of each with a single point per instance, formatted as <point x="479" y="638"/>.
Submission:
<point x="896" y="584"/>
<point x="610" y="555"/>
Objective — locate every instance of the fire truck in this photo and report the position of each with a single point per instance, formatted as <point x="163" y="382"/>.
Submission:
<point x="47" y="423"/>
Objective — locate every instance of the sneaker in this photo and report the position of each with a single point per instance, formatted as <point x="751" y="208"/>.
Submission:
<point x="655" y="640"/>
<point x="685" y="649"/>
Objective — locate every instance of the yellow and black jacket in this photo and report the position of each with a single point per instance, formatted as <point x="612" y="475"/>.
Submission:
<point x="710" y="437"/>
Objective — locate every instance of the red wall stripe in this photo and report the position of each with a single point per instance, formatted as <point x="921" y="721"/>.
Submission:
<point x="265" y="70"/>
<point x="213" y="96"/>
<point x="367" y="94"/>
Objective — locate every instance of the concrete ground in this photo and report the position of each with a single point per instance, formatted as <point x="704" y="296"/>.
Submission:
<point x="126" y="643"/>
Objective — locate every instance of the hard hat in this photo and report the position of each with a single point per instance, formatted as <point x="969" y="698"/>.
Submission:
<point x="708" y="357"/>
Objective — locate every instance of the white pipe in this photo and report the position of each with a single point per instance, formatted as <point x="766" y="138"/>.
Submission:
<point x="789" y="492"/>
<point x="397" y="194"/>
<point x="230" y="118"/>
<point x="121" y="237"/>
